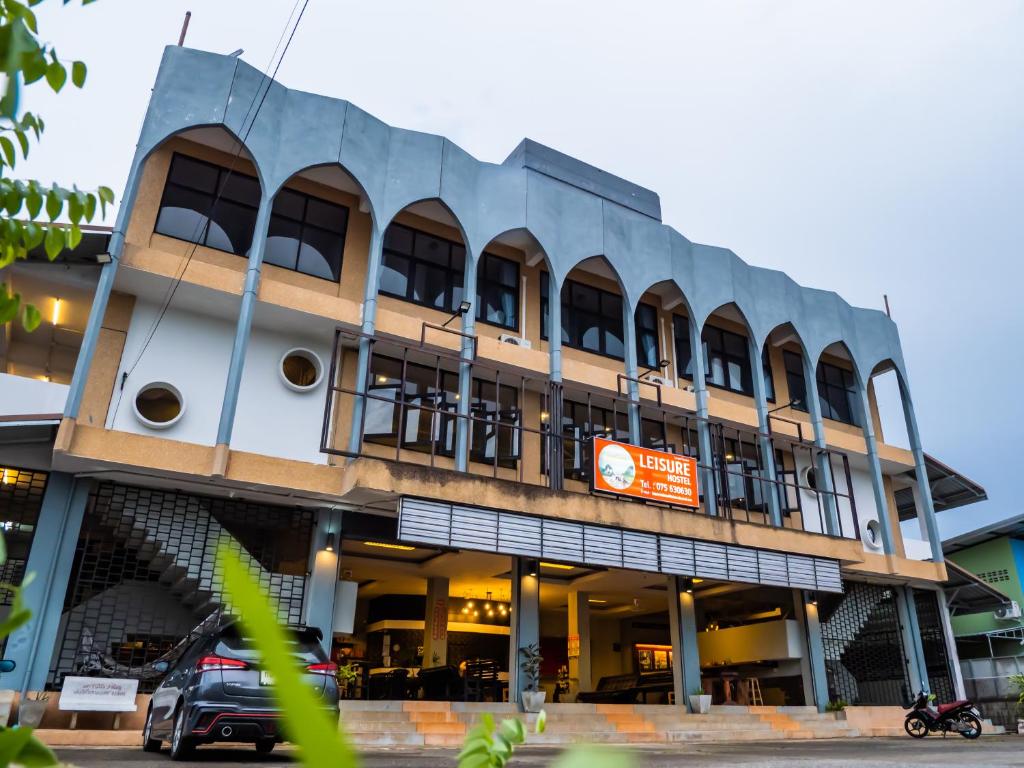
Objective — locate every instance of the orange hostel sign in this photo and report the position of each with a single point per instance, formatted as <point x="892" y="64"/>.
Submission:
<point x="627" y="470"/>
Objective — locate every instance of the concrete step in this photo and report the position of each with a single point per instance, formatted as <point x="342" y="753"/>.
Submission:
<point x="386" y="739"/>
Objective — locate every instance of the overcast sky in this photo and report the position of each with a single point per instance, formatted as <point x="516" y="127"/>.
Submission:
<point x="867" y="147"/>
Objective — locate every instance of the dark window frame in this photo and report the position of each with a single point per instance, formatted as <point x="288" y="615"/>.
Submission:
<point x="453" y="289"/>
<point x="682" y="346"/>
<point x="796" y="382"/>
<point x="605" y="323"/>
<point x="645" y="330"/>
<point x="482" y="282"/>
<point x="277" y="214"/>
<point x="219" y="193"/>
<point x="831" y="393"/>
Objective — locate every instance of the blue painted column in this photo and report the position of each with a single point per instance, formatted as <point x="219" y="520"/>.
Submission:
<point x="924" y="488"/>
<point x="700" y="389"/>
<point x="629" y="350"/>
<point x="554" y="329"/>
<point x="243" y="327"/>
<point x="875" y="469"/>
<point x="910" y="631"/>
<point x="49" y="562"/>
<point x="322" y="584"/>
<point x="525" y="629"/>
<point x="369" y="320"/>
<point x="463" y="428"/>
<point x="686" y="676"/>
<point x="555" y="406"/>
<point x="768" y="489"/>
<point x="808" y="609"/>
<point x="102" y="295"/>
<point x="822" y="465"/>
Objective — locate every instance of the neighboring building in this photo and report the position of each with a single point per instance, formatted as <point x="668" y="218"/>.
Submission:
<point x="329" y="342"/>
<point x="995" y="555"/>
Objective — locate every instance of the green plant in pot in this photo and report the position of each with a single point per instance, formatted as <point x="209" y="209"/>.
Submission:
<point x="533" y="697"/>
<point x="347" y="676"/>
<point x="700" y="702"/>
<point x="1017" y="681"/>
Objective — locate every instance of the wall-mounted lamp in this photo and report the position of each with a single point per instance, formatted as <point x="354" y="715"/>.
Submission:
<point x="463" y="308"/>
<point x="329" y="544"/>
<point x="688" y="586"/>
<point x="812" y="598"/>
<point x="532" y="567"/>
<point x="55" y="318"/>
<point x="661" y="366"/>
<point x="794" y="403"/>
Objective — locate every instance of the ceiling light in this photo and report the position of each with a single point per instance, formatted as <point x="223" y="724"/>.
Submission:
<point x="469" y="604"/>
<point x="596" y="601"/>
<point x="696" y="580"/>
<point x="387" y="545"/>
<point x="558" y="566"/>
<point x="329" y="544"/>
<point x="381" y="379"/>
<point x="56" y="311"/>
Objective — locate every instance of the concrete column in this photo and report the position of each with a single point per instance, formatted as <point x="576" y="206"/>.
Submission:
<point x="822" y="465"/>
<point x="103" y="288"/>
<point x="243" y="330"/>
<point x="700" y="389"/>
<point x="806" y="673"/>
<point x="683" y="627"/>
<point x="554" y="328"/>
<point x="579" y="642"/>
<point x="629" y="350"/>
<point x="322" y="584"/>
<point x="885" y="518"/>
<point x="807" y="606"/>
<point x="525" y="625"/>
<point x="463" y="427"/>
<point x="925" y="507"/>
<point x="769" y="489"/>
<point x="910" y="631"/>
<point x="557" y="480"/>
<point x="435" y="624"/>
<point x="959" y="690"/>
<point x="355" y="439"/>
<point x="50" y="559"/>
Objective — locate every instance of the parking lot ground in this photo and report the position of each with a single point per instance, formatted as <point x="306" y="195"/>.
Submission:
<point x="988" y="752"/>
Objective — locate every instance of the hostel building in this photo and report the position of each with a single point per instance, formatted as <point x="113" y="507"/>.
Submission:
<point x="446" y="409"/>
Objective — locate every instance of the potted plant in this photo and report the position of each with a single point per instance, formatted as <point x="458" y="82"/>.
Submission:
<point x="31" y="709"/>
<point x="533" y="697"/>
<point x="837" y="707"/>
<point x="347" y="676"/>
<point x="1017" y="681"/>
<point x="700" y="702"/>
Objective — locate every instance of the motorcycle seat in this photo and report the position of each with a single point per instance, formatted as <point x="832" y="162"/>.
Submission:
<point x="944" y="708"/>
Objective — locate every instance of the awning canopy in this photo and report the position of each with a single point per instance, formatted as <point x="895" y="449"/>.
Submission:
<point x="966" y="593"/>
<point x="950" y="489"/>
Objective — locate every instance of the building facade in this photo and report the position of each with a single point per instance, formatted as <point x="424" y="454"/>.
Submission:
<point x="329" y="342"/>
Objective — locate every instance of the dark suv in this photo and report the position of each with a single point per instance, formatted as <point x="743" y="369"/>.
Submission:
<point x="216" y="691"/>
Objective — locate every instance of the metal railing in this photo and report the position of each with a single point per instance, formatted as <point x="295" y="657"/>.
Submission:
<point x="511" y="428"/>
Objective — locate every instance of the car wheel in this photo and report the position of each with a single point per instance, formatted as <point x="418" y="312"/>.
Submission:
<point x="916" y="727"/>
<point x="971" y="725"/>
<point x="181" y="745"/>
<point x="265" y="746"/>
<point x="149" y="744"/>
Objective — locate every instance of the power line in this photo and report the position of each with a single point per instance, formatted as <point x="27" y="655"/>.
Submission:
<point x="204" y="222"/>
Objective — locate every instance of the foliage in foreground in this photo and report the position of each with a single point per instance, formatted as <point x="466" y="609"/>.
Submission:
<point x="24" y="60"/>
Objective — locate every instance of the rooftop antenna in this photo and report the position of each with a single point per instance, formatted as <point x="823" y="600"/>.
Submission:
<point x="888" y="314"/>
<point x="184" y="28"/>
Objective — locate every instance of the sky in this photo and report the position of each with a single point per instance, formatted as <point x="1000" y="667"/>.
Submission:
<point x="868" y="148"/>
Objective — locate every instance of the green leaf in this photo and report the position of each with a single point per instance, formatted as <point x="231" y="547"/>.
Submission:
<point x="78" y="73"/>
<point x="56" y="75"/>
<point x="512" y="729"/>
<point x="594" y="757"/>
<point x="90" y="207"/>
<point x="7" y="147"/>
<point x="3" y="549"/>
<point x="9" y="303"/>
<point x="106" y="195"/>
<point x="74" y="236"/>
<point x="542" y="722"/>
<point x="319" y="739"/>
<point x="34" y="200"/>
<point x="53" y="242"/>
<point x="75" y="208"/>
<point x="475" y="760"/>
<point x="12" y="741"/>
<point x="22" y="140"/>
<point x="35" y="754"/>
<point x="33" y="234"/>
<point x="53" y="204"/>
<point x="30" y="318"/>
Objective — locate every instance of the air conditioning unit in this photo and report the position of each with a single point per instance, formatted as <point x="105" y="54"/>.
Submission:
<point x="653" y="378"/>
<point x="519" y="341"/>
<point x="1008" y="612"/>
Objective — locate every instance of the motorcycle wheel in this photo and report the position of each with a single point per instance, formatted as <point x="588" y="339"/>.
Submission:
<point x="916" y="727"/>
<point x="973" y="724"/>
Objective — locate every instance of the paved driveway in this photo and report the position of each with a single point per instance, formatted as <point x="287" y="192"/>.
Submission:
<point x="987" y="752"/>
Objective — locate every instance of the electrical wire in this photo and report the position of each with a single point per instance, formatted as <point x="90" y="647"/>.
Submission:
<point x="203" y="222"/>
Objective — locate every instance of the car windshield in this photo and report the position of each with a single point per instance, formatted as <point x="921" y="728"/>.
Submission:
<point x="235" y="646"/>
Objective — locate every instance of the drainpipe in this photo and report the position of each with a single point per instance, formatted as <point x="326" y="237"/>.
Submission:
<point x="629" y="350"/>
<point x="102" y="296"/>
<point x="768" y="489"/>
<point x="464" y="427"/>
<point x="823" y="467"/>
<point x="555" y="456"/>
<point x="700" y="389"/>
<point x="369" y="320"/>
<point x="243" y="330"/>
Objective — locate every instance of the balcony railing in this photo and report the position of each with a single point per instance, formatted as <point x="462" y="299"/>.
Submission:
<point x="407" y="409"/>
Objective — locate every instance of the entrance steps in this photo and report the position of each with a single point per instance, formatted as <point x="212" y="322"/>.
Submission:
<point x="445" y="724"/>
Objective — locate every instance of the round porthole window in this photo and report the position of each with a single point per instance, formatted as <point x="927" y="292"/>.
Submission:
<point x="873" y="534"/>
<point x="159" y="405"/>
<point x="810" y="479"/>
<point x="301" y="369"/>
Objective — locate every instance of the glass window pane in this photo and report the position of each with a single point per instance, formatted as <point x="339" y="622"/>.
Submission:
<point x="735" y="376"/>
<point x="587" y="331"/>
<point x="735" y="345"/>
<point x="290" y="204"/>
<point x="282" y="242"/>
<point x="394" y="274"/>
<point x="430" y="286"/>
<point x="240" y="189"/>
<point x="194" y="174"/>
<point x="320" y="255"/>
<point x="231" y="227"/>
<point x="431" y="249"/>
<point x="399" y="239"/>
<point x="583" y="298"/>
<point x="182" y="214"/>
<point x="326" y="215"/>
<point x="611" y="307"/>
<point x="613" y="344"/>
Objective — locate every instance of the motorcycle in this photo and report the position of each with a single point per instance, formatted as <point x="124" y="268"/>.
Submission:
<point x="955" y="717"/>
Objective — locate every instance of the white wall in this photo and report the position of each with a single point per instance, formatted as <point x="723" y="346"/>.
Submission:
<point x="271" y="418"/>
<point x="863" y="495"/>
<point x="22" y="396"/>
<point x="188" y="350"/>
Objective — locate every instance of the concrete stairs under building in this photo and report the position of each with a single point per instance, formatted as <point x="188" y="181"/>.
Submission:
<point x="445" y="724"/>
